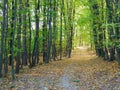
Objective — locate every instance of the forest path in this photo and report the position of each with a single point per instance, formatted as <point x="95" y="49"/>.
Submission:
<point x="83" y="71"/>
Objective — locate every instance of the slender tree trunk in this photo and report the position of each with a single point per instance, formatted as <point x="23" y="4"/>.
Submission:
<point x="3" y="36"/>
<point x="50" y="31"/>
<point x="6" y="42"/>
<point x="95" y="11"/>
<point x="44" y="33"/>
<point x="61" y="28"/>
<point x="110" y="28"/>
<point x="13" y="26"/>
<point x="117" y="32"/>
<point x="30" y="34"/>
<point x="54" y="30"/>
<point x="24" y="56"/>
<point x="70" y="20"/>
<point x="35" y="54"/>
<point x="19" y="38"/>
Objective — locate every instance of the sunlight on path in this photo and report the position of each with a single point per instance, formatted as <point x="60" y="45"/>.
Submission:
<point x="83" y="47"/>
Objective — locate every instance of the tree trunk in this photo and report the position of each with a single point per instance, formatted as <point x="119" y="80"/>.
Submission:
<point x="35" y="54"/>
<point x="19" y="38"/>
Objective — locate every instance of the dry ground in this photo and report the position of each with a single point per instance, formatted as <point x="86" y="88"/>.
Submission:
<point x="84" y="71"/>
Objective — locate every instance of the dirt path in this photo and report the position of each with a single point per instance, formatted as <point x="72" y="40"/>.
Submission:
<point x="84" y="71"/>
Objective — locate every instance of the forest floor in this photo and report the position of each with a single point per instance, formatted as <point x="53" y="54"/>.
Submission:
<point x="83" y="71"/>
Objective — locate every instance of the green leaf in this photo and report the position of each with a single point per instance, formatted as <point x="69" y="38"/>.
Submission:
<point x="77" y="81"/>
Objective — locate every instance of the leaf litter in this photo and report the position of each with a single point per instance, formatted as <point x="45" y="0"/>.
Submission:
<point x="84" y="71"/>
